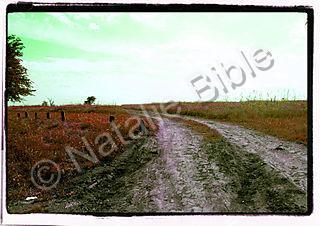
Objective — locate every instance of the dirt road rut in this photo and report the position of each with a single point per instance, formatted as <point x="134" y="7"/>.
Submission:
<point x="182" y="179"/>
<point x="288" y="158"/>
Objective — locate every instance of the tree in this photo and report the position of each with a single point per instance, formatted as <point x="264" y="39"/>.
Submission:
<point x="44" y="103"/>
<point x="90" y="100"/>
<point x="51" y="102"/>
<point x="17" y="82"/>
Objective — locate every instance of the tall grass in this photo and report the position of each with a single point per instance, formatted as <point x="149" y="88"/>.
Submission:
<point x="30" y="140"/>
<point x="286" y="119"/>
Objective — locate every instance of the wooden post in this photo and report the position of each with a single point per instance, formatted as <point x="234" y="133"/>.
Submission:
<point x="48" y="115"/>
<point x="63" y="118"/>
<point x="26" y="114"/>
<point x="111" y="118"/>
<point x="18" y="115"/>
<point x="35" y="115"/>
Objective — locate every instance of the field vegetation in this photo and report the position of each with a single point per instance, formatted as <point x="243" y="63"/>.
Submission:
<point x="284" y="119"/>
<point x="30" y="140"/>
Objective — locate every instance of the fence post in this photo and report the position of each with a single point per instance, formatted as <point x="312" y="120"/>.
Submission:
<point x="26" y="114"/>
<point x="111" y="118"/>
<point x="18" y="115"/>
<point x="36" y="115"/>
<point x="63" y="118"/>
<point x="48" y="115"/>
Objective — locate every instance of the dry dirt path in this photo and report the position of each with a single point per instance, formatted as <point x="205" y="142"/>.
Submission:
<point x="172" y="172"/>
<point x="287" y="158"/>
<point x="181" y="179"/>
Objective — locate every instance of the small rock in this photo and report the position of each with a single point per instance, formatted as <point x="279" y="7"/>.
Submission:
<point x="280" y="147"/>
<point x="154" y="151"/>
<point x="196" y="209"/>
<point x="93" y="185"/>
<point x="71" y="204"/>
<point x="31" y="198"/>
<point x="71" y="193"/>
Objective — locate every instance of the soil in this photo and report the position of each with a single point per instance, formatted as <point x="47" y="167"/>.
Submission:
<point x="288" y="158"/>
<point x="181" y="179"/>
<point x="179" y="171"/>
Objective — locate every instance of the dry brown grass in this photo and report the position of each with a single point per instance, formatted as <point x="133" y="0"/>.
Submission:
<point x="207" y="133"/>
<point x="284" y="119"/>
<point x="30" y="140"/>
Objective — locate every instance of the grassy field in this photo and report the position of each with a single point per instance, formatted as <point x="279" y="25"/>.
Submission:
<point x="113" y="193"/>
<point x="31" y="140"/>
<point x="284" y="119"/>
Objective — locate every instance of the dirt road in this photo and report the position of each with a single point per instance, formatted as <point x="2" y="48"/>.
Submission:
<point x="288" y="158"/>
<point x="182" y="179"/>
<point x="178" y="171"/>
<point x="167" y="173"/>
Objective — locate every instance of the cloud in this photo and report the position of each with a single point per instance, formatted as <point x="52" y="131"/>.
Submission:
<point x="63" y="19"/>
<point x="145" y="57"/>
<point x="298" y="31"/>
<point x="85" y="16"/>
<point x="153" y="20"/>
<point x="94" y="26"/>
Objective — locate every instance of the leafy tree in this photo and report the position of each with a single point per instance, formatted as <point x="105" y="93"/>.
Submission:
<point x="17" y="82"/>
<point x="90" y="100"/>
<point x="44" y="103"/>
<point x="51" y="102"/>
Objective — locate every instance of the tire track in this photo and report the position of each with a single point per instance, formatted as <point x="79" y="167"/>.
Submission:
<point x="182" y="175"/>
<point x="287" y="158"/>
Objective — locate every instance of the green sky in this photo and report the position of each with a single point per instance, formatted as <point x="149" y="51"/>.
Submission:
<point x="151" y="57"/>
